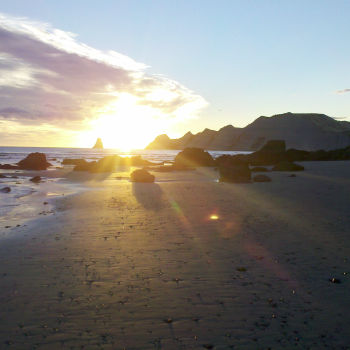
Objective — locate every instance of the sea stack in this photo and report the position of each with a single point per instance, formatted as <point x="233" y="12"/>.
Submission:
<point x="98" y="144"/>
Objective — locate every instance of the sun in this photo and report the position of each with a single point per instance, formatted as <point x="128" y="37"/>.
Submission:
<point x="126" y="124"/>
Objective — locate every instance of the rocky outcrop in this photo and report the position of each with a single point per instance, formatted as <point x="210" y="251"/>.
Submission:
<point x="271" y="153"/>
<point x="34" y="161"/>
<point x="287" y="166"/>
<point x="237" y="172"/>
<point x="141" y="175"/>
<point x="261" y="178"/>
<point x="193" y="157"/>
<point x="72" y="161"/>
<point x="8" y="166"/>
<point x="274" y="152"/>
<point x="259" y="169"/>
<point x="306" y="131"/>
<point x="35" y="179"/>
<point x="98" y="144"/>
<point x="5" y="190"/>
<point x="107" y="164"/>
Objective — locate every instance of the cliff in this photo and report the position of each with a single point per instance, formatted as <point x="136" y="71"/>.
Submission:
<point x="307" y="131"/>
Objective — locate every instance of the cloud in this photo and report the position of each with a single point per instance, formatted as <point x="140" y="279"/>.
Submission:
<point x="48" y="77"/>
<point x="343" y="91"/>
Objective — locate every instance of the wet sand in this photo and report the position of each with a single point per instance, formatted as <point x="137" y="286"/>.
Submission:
<point x="185" y="263"/>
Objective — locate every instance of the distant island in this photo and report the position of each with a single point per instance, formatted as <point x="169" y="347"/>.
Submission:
<point x="306" y="131"/>
<point x="98" y="144"/>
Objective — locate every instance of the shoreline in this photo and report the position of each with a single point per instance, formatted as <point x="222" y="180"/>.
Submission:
<point x="143" y="266"/>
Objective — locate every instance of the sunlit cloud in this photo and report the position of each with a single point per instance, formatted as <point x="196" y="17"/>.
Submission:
<point x="48" y="77"/>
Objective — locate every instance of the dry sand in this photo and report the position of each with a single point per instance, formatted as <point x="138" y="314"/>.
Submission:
<point x="143" y="266"/>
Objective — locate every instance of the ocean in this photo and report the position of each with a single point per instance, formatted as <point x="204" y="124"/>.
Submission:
<point x="56" y="155"/>
<point x="26" y="199"/>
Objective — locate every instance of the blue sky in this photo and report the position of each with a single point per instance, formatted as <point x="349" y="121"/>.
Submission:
<point x="245" y="58"/>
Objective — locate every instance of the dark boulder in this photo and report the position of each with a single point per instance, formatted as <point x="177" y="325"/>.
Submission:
<point x="335" y="154"/>
<point x="238" y="172"/>
<point x="271" y="153"/>
<point x="259" y="169"/>
<point x="71" y="161"/>
<point x="274" y="146"/>
<point x="139" y="161"/>
<point x="8" y="166"/>
<point x="287" y="166"/>
<point x="5" y="189"/>
<point x="35" y="179"/>
<point x="261" y="178"/>
<point x="141" y="175"/>
<point x="34" y="161"/>
<point x="84" y="166"/>
<point x="227" y="160"/>
<point x="108" y="164"/>
<point x="194" y="157"/>
<point x="105" y="165"/>
<point x="296" y="155"/>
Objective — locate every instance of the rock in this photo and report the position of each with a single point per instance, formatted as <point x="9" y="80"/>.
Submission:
<point x="238" y="172"/>
<point x="274" y="146"/>
<point x="2" y="176"/>
<point x="287" y="166"/>
<point x="193" y="157"/>
<point x="8" y="166"/>
<point x="138" y="161"/>
<point x="292" y="175"/>
<point x="34" y="161"/>
<point x="5" y="189"/>
<point x="72" y="161"/>
<point x="334" y="280"/>
<point x="105" y="165"/>
<point x="169" y="168"/>
<point x="296" y="155"/>
<point x="259" y="169"/>
<point x="161" y="168"/>
<point x="261" y="178"/>
<point x="141" y="175"/>
<point x="35" y="179"/>
<point x="84" y="166"/>
<point x="228" y="160"/>
<point x="98" y="144"/>
<point x="108" y="163"/>
<point x="271" y="153"/>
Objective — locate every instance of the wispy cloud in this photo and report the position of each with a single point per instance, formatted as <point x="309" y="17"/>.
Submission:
<point x="48" y="77"/>
<point x="344" y="91"/>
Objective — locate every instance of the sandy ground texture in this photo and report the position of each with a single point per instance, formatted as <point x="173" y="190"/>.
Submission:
<point x="184" y="263"/>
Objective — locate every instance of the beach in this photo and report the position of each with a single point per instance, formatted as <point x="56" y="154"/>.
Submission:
<point x="186" y="262"/>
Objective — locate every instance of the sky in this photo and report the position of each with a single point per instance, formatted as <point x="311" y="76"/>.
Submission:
<point x="126" y="71"/>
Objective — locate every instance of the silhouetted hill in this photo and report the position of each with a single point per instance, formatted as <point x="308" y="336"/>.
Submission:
<point x="307" y="131"/>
